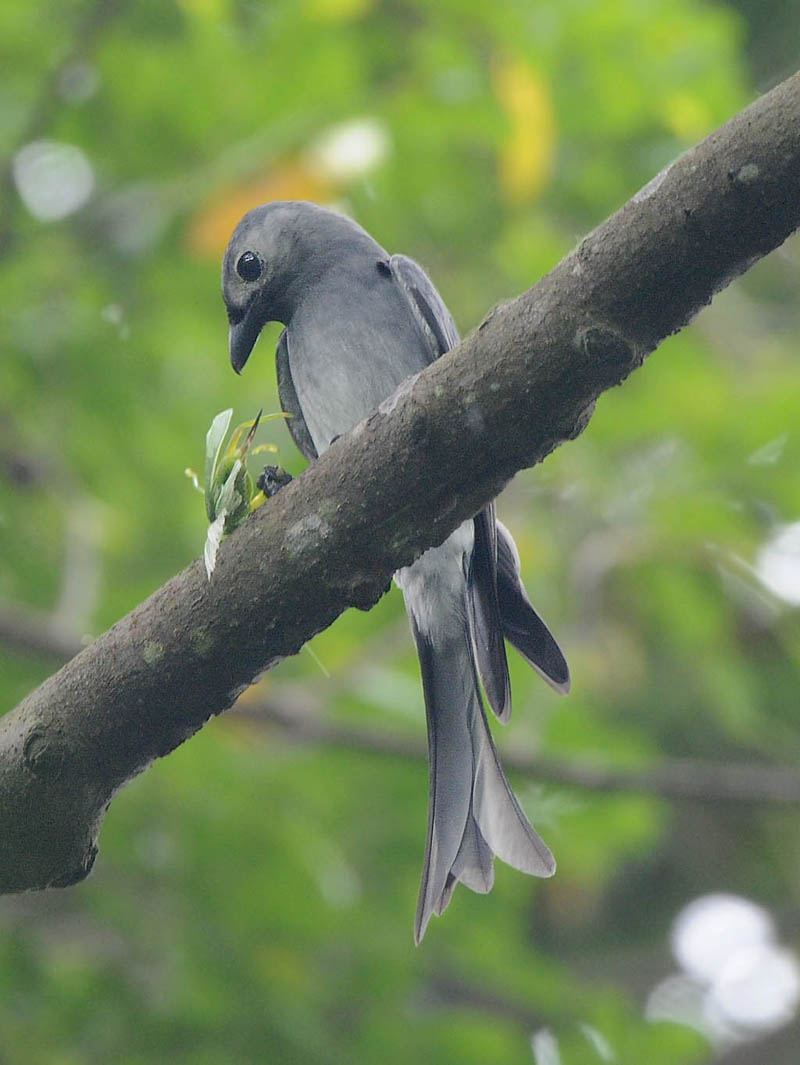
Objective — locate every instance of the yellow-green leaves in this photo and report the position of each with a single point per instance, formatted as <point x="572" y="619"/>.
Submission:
<point x="229" y="490"/>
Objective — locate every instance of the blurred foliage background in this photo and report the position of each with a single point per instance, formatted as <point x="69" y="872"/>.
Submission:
<point x="254" y="894"/>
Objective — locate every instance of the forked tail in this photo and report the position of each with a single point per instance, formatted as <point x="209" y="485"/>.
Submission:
<point x="473" y="814"/>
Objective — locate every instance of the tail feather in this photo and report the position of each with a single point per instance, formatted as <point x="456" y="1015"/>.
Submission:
<point x="474" y="864"/>
<point x="450" y="771"/>
<point x="472" y="813"/>
<point x="499" y="815"/>
<point x="450" y="781"/>
<point x="473" y="867"/>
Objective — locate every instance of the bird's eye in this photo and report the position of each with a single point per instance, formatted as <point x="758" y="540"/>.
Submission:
<point x="248" y="266"/>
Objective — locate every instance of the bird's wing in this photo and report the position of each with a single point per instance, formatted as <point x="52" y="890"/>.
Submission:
<point x="486" y="626"/>
<point x="522" y="626"/>
<point x="485" y="617"/>
<point x="426" y="304"/>
<point x="289" y="402"/>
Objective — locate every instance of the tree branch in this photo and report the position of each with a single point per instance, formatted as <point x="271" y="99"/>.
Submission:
<point x="301" y="719"/>
<point x="447" y="442"/>
<point x="677" y="779"/>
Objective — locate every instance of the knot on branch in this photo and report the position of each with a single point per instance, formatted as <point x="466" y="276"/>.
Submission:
<point x="42" y="755"/>
<point x="599" y="344"/>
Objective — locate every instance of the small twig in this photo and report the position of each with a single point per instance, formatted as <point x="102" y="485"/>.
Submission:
<point x="449" y="992"/>
<point x="35" y="632"/>
<point x="676" y="779"/>
<point x="299" y="717"/>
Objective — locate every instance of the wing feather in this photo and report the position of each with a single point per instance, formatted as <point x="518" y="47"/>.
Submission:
<point x="290" y="404"/>
<point x="486" y="627"/>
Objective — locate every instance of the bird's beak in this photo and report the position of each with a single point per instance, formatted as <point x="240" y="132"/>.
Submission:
<point x="244" y="333"/>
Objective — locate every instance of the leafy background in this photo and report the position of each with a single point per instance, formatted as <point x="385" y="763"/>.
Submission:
<point x="254" y="894"/>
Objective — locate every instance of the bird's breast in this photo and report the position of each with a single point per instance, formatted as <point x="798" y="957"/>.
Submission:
<point x="347" y="356"/>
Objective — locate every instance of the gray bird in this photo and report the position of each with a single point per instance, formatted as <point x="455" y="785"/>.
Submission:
<point x="358" y="322"/>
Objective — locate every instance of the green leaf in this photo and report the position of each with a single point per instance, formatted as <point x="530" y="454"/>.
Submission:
<point x="213" y="537"/>
<point x="215" y="437"/>
<point x="229" y="498"/>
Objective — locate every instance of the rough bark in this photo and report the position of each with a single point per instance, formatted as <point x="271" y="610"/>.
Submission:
<point x="448" y="441"/>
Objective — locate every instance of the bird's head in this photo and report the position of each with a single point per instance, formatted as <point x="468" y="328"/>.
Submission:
<point x="277" y="253"/>
<point x="253" y="285"/>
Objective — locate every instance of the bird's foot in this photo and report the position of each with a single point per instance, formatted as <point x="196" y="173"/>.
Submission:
<point x="272" y="480"/>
